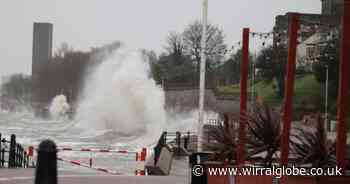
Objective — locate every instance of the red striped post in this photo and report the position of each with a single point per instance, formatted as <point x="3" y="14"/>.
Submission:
<point x="90" y="162"/>
<point x="30" y="151"/>
<point x="137" y="157"/>
<point x="143" y="154"/>
<point x="139" y="172"/>
<point x="243" y="98"/>
<point x="343" y="88"/>
<point x="289" y="86"/>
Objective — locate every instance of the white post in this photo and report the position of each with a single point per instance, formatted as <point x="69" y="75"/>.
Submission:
<point x="326" y="103"/>
<point x="202" y="76"/>
<point x="253" y="80"/>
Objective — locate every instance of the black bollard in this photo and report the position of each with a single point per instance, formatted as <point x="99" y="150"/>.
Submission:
<point x="186" y="140"/>
<point x="28" y="160"/>
<point x="24" y="159"/>
<point x="2" y="162"/>
<point x="164" y="139"/>
<point x="0" y="150"/>
<point x="12" y="153"/>
<point x="17" y="155"/>
<point x="198" y="169"/>
<point x="46" y="170"/>
<point x="21" y="156"/>
<point x="178" y="142"/>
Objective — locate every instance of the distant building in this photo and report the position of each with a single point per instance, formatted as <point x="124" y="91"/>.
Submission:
<point x="331" y="16"/>
<point x="42" y="53"/>
<point x="332" y="7"/>
<point x="309" y="51"/>
<point x="313" y="30"/>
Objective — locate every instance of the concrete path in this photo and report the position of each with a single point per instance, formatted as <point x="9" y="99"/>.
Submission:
<point x="26" y="176"/>
<point x="180" y="167"/>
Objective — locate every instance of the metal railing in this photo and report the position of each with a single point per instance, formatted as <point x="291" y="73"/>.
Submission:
<point x="12" y="154"/>
<point x="173" y="139"/>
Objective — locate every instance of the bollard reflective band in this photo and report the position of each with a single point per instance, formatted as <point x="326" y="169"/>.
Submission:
<point x="30" y="151"/>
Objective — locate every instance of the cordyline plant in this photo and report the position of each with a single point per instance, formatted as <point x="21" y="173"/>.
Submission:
<point x="222" y="142"/>
<point x="264" y="133"/>
<point x="311" y="147"/>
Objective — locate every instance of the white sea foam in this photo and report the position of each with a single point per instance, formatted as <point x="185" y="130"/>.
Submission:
<point x="59" y="106"/>
<point x="119" y="96"/>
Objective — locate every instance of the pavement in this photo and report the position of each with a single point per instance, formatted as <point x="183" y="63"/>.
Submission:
<point x="26" y="176"/>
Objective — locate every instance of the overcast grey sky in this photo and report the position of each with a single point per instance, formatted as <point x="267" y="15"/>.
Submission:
<point x="138" y="23"/>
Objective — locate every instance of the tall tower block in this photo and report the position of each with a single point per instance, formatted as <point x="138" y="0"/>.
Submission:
<point x="42" y="52"/>
<point x="332" y="7"/>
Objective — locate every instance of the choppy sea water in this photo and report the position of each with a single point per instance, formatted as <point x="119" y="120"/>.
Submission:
<point x="30" y="131"/>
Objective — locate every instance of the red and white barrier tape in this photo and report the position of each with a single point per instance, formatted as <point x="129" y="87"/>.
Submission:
<point x="98" y="150"/>
<point x="140" y="156"/>
<point x="88" y="166"/>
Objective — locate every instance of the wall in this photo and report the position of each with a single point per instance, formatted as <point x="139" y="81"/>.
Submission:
<point x="186" y="100"/>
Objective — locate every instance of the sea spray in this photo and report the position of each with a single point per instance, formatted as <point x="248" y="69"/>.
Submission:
<point x="59" y="106"/>
<point x="119" y="97"/>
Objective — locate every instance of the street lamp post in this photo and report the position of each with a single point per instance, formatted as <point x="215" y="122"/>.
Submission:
<point x="252" y="100"/>
<point x="326" y="102"/>
<point x="202" y="75"/>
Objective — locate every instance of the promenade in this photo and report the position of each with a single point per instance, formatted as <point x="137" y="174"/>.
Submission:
<point x="26" y="176"/>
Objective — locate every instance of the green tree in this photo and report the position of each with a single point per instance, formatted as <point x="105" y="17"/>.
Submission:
<point x="230" y="71"/>
<point x="173" y="70"/>
<point x="18" y="87"/>
<point x="329" y="57"/>
<point x="271" y="64"/>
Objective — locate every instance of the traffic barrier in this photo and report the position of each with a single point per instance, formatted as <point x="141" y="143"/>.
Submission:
<point x="73" y="162"/>
<point x="97" y="150"/>
<point x="30" y="156"/>
<point x="30" y="151"/>
<point x="139" y="172"/>
<point x="140" y="157"/>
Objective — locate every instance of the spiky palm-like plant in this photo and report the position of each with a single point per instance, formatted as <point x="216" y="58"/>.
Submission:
<point x="312" y="146"/>
<point x="222" y="142"/>
<point x="264" y="133"/>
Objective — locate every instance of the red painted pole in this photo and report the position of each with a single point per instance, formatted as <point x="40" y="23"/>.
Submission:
<point x="289" y="86"/>
<point x="143" y="154"/>
<point x="243" y="98"/>
<point x="343" y="88"/>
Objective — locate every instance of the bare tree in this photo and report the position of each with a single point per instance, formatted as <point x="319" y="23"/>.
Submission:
<point x="192" y="36"/>
<point x="174" y="44"/>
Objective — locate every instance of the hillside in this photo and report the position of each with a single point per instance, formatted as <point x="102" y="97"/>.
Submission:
<point x="307" y="94"/>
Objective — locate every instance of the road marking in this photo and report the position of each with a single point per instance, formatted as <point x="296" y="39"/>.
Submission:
<point x="60" y="176"/>
<point x="21" y="178"/>
<point x="16" y="178"/>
